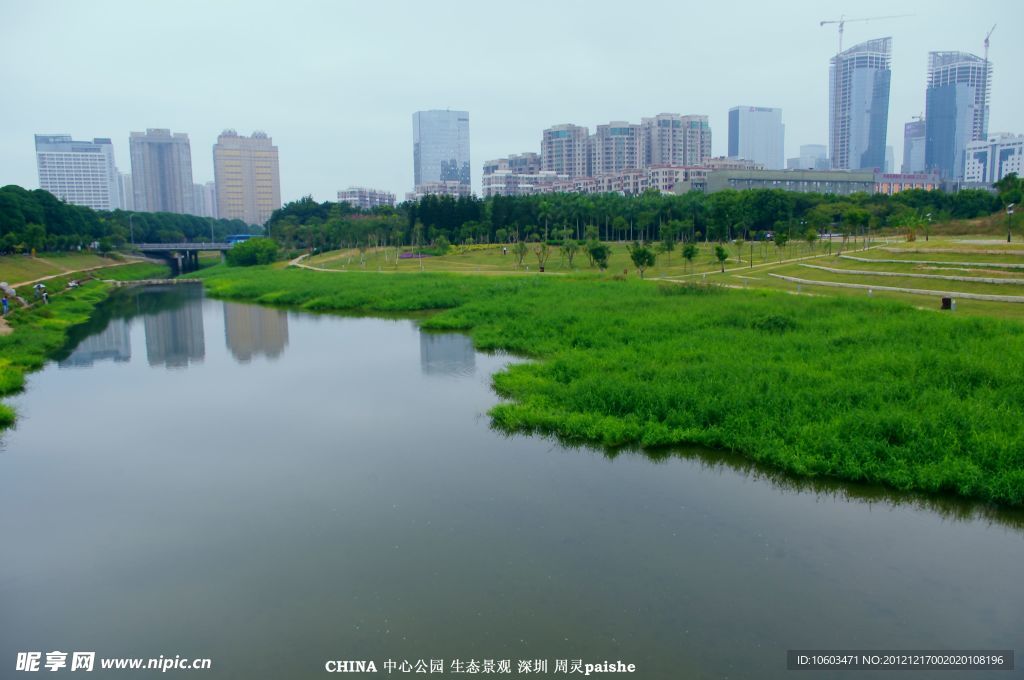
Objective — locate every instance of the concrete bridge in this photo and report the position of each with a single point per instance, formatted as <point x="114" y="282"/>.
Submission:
<point x="185" y="256"/>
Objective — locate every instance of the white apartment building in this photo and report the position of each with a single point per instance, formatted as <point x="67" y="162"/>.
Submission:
<point x="367" y="199"/>
<point x="82" y="173"/>
<point x="508" y="183"/>
<point x="454" y="188"/>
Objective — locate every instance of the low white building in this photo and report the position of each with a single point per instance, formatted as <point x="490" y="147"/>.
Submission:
<point x="366" y="199"/>
<point x="987" y="161"/>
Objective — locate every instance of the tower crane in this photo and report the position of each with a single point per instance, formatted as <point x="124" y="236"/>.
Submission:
<point x="984" y="86"/>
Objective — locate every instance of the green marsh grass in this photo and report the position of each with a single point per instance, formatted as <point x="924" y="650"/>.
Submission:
<point x="866" y="390"/>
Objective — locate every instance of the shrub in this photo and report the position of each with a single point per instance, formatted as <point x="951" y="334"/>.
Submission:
<point x="252" y="252"/>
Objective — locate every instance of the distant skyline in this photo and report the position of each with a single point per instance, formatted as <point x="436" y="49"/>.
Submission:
<point x="336" y="87"/>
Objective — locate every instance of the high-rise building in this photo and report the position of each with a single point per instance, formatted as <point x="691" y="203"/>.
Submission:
<point x="956" y="109"/>
<point x="82" y="173"/>
<point x="664" y="140"/>
<point x="565" y="150"/>
<point x="989" y="160"/>
<point x="913" y="146"/>
<point x="696" y="140"/>
<point x="440" y="147"/>
<point x="859" y="81"/>
<point x="812" y="157"/>
<point x="247" y="175"/>
<point x="615" y="147"/>
<point x="890" y="159"/>
<point x="367" y="199"/>
<point x="205" y="196"/>
<point x="757" y="134"/>
<point x="161" y="171"/>
<point x="124" y="185"/>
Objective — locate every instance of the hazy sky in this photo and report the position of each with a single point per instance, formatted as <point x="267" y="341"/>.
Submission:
<point x="335" y="83"/>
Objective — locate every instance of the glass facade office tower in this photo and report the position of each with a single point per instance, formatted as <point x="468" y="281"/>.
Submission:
<point x="162" y="171"/>
<point x="757" y="134"/>
<point x="913" y="146"/>
<point x="859" y="81"/>
<point x="82" y="173"/>
<point x="440" y="147"/>
<point x="956" y="109"/>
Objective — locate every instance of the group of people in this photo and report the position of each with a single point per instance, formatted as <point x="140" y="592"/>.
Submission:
<point x="40" y="292"/>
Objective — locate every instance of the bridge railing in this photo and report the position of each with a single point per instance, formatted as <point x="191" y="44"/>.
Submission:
<point x="182" y="246"/>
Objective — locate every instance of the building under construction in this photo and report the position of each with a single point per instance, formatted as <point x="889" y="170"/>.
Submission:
<point x="859" y="80"/>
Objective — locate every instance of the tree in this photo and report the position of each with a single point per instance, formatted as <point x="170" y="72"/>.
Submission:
<point x="1010" y="188"/>
<point x="642" y="256"/>
<point x="252" y="252"/>
<point x="569" y="246"/>
<point x="810" y="236"/>
<point x="543" y="252"/>
<point x="599" y="254"/>
<point x="690" y="252"/>
<point x="500" y="235"/>
<point x="781" y="239"/>
<point x="669" y="232"/>
<point x="619" y="226"/>
<point x="739" y="250"/>
<point x="520" y="249"/>
<point x="721" y="254"/>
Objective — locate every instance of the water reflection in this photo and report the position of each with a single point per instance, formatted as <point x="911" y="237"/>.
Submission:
<point x="447" y="354"/>
<point x="948" y="507"/>
<point x="252" y="331"/>
<point x="380" y="513"/>
<point x="111" y="343"/>
<point x="174" y="338"/>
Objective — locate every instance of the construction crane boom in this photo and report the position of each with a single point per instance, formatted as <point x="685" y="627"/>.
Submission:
<point x="842" y="20"/>
<point x="984" y="86"/>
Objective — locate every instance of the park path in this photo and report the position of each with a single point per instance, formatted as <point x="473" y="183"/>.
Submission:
<point x="678" y="278"/>
<point x="913" y="291"/>
<point x="74" y="271"/>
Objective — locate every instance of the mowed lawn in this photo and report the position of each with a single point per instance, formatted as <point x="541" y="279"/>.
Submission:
<point x="760" y="261"/>
<point x="494" y="259"/>
<point x="16" y="269"/>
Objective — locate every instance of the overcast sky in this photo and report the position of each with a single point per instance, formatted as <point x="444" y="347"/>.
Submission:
<point x="335" y="83"/>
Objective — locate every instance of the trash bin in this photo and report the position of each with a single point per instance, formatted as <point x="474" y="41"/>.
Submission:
<point x="947" y="303"/>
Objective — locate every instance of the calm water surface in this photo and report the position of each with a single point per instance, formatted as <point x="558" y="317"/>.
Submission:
<point x="273" y="489"/>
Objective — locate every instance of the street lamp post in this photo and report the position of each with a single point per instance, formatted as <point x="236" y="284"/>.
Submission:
<point x="928" y="231"/>
<point x="1009" y="220"/>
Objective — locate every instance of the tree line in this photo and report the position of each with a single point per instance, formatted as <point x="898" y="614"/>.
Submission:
<point x="38" y="220"/>
<point x="695" y="216"/>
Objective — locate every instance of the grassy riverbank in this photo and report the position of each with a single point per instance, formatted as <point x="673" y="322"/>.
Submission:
<point x="39" y="331"/>
<point x="859" y="389"/>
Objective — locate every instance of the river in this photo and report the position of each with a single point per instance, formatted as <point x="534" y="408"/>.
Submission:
<point x="273" y="490"/>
